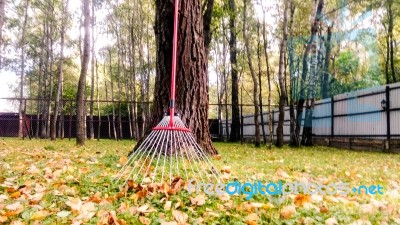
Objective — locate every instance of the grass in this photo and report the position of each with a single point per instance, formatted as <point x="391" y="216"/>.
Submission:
<point x="59" y="183"/>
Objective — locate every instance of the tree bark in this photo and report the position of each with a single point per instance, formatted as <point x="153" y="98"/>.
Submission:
<point x="260" y="99"/>
<point x="2" y="6"/>
<point x="191" y="79"/>
<point x="207" y="17"/>
<point x="253" y="75"/>
<point x="268" y="80"/>
<point x="93" y="59"/>
<point x="235" y="125"/>
<point x="300" y="104"/>
<point x="325" y="76"/>
<point x="22" y="73"/>
<point x="281" y="78"/>
<point x="80" y="99"/>
<point x="60" y="73"/>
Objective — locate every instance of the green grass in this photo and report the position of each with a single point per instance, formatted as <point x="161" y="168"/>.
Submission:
<point x="67" y="172"/>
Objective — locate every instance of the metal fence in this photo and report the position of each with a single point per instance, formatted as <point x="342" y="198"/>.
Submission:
<point x="368" y="113"/>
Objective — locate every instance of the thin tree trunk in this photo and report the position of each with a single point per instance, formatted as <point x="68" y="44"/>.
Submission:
<point x="270" y="129"/>
<point x="281" y="78"/>
<point x="391" y="41"/>
<point x="93" y="57"/>
<point x="260" y="99"/>
<point x="307" y="131"/>
<point x="2" y="6"/>
<point x="112" y="98"/>
<point x="235" y="125"/>
<point x="60" y="73"/>
<point x="253" y="75"/>
<point x="98" y="102"/>
<point x="293" y="85"/>
<point x="22" y="74"/>
<point x="80" y="99"/>
<point x="325" y="77"/>
<point x="311" y="47"/>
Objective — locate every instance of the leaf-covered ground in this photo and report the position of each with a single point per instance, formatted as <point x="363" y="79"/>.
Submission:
<point x="44" y="182"/>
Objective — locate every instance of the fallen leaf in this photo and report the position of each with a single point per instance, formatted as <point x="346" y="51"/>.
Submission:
<point x="288" y="211"/>
<point x="39" y="215"/>
<point x="3" y="219"/>
<point x="169" y="223"/>
<point x="167" y="205"/>
<point x="281" y="173"/>
<point x="301" y="199"/>
<point x="179" y="217"/>
<point x="123" y="160"/>
<point x="143" y="208"/>
<point x="331" y="221"/>
<point x="144" y="220"/>
<point x="226" y="169"/>
<point x="360" y="222"/>
<point x="252" y="219"/>
<point x="63" y="214"/>
<point x="224" y="197"/>
<point x="198" y="200"/>
<point x="323" y="209"/>
<point x="17" y="223"/>
<point x="15" y="206"/>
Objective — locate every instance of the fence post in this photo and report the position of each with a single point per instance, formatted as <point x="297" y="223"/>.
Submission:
<point x="388" y="135"/>
<point x="241" y="123"/>
<point x="332" y="117"/>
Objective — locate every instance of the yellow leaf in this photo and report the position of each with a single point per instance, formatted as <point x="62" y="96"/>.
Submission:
<point x="39" y="215"/>
<point x="123" y="160"/>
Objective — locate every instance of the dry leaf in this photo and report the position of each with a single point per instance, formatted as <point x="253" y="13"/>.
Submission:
<point x="180" y="217"/>
<point x="301" y="199"/>
<point x="39" y="215"/>
<point x="252" y="219"/>
<point x="3" y="219"/>
<point x="167" y="205"/>
<point x="323" y="209"/>
<point x="217" y="157"/>
<point x="224" y="197"/>
<point x="123" y="160"/>
<point x="360" y="222"/>
<point x="288" y="211"/>
<point x="281" y="173"/>
<point x="169" y="223"/>
<point x="331" y="221"/>
<point x="198" y="200"/>
<point x="143" y="208"/>
<point x="17" y="223"/>
<point x="144" y="220"/>
<point x="226" y="169"/>
<point x="15" y="206"/>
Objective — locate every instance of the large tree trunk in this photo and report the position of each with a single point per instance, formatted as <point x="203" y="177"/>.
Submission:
<point x="60" y="74"/>
<point x="281" y="78"/>
<point x="253" y="75"/>
<point x="235" y="126"/>
<point x="191" y="79"/>
<point x="325" y="76"/>
<point x="80" y="99"/>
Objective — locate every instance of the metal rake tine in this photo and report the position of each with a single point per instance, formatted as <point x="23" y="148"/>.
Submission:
<point x="176" y="154"/>
<point x="190" y="152"/>
<point x="196" y="147"/>
<point x="152" y="157"/>
<point x="158" y="159"/>
<point x="183" y="159"/>
<point x="129" y="160"/>
<point x="205" y="159"/>
<point x="157" y="139"/>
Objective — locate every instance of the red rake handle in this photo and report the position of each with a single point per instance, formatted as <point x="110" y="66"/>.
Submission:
<point x="173" y="70"/>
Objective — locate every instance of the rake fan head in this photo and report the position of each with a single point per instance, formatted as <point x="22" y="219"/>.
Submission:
<point x="169" y="151"/>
